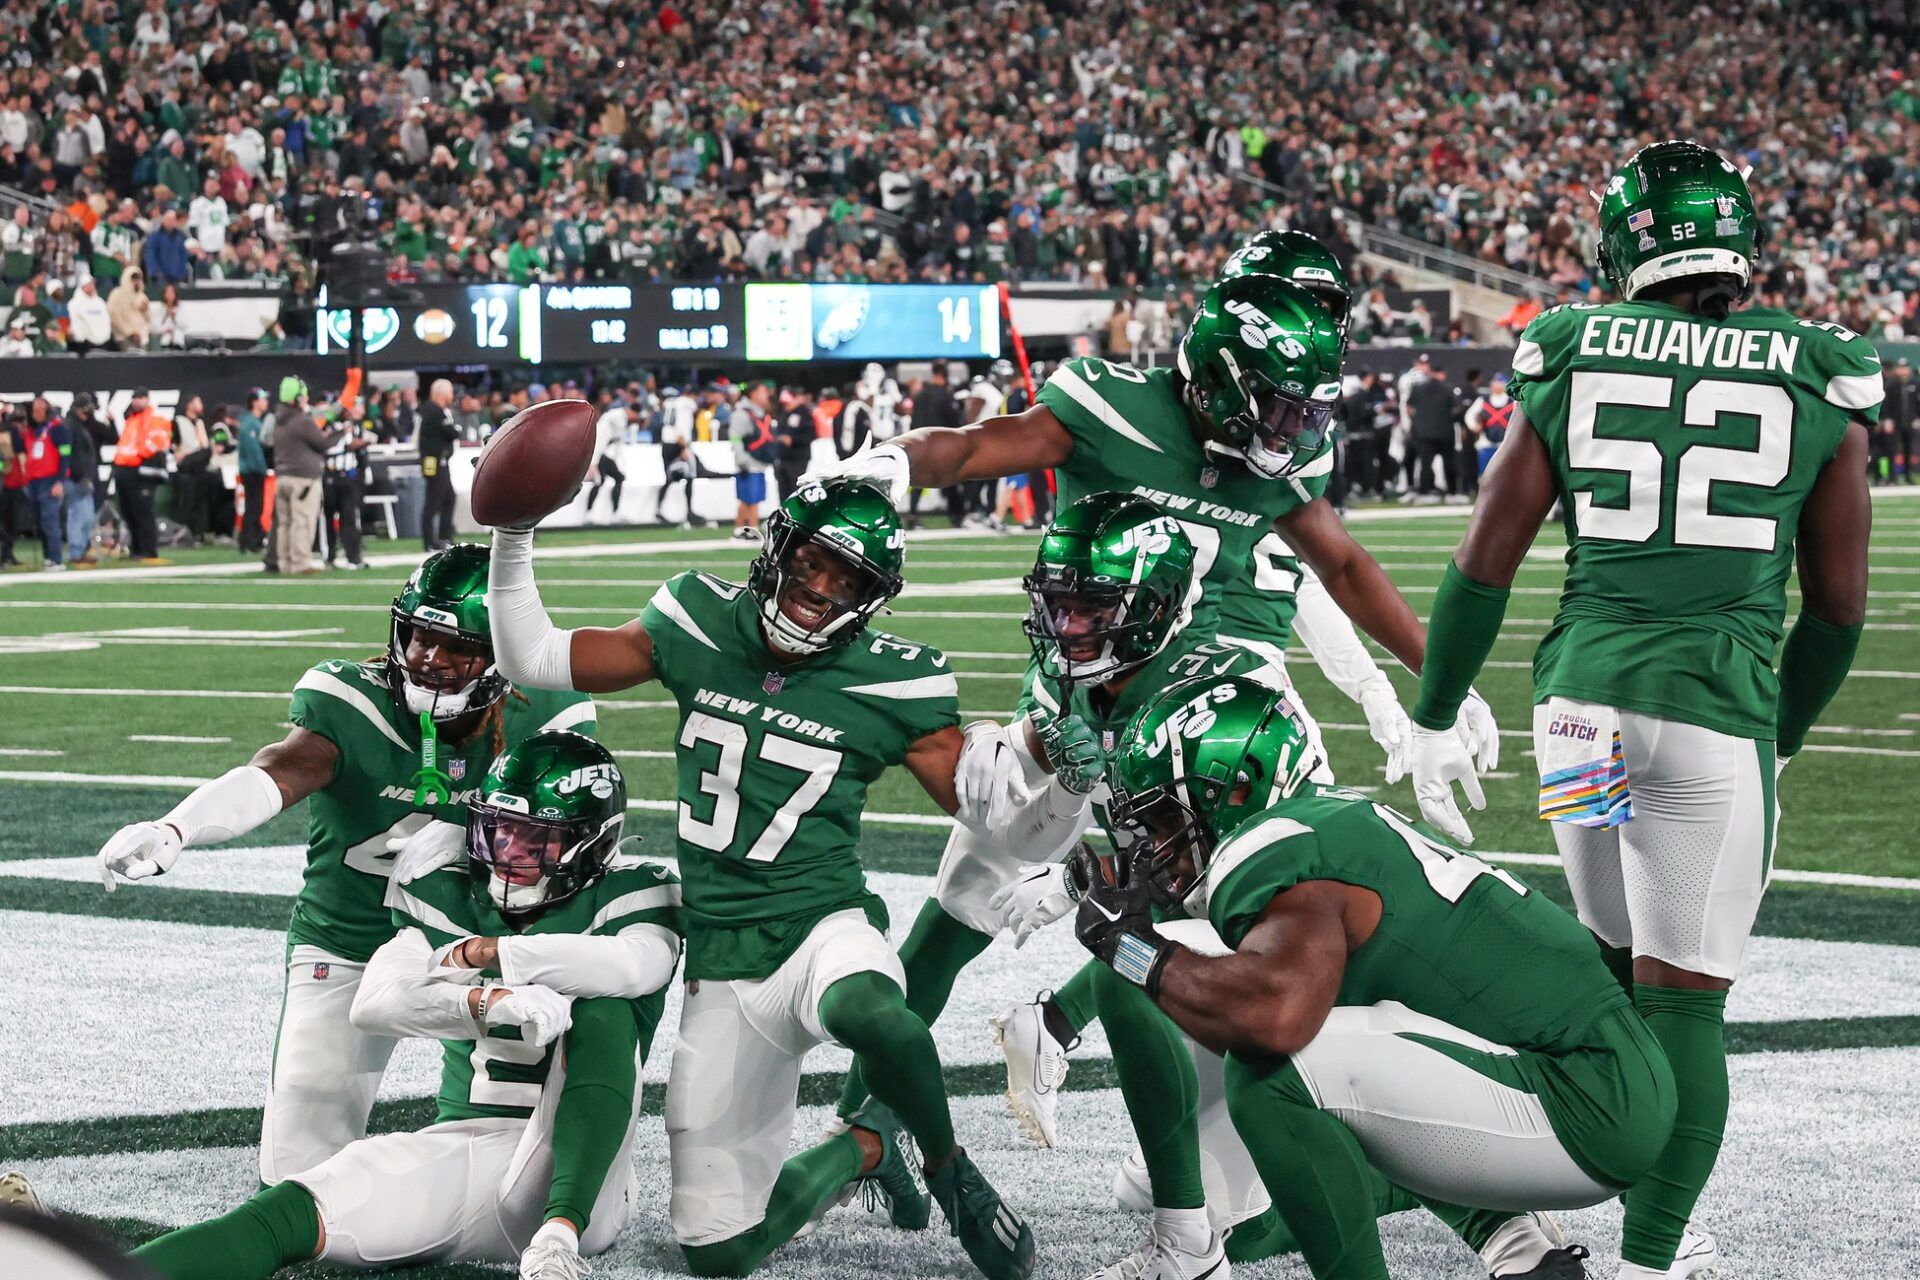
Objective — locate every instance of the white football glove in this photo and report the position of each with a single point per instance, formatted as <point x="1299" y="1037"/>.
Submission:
<point x="1388" y="724"/>
<point x="542" y="1014"/>
<point x="1440" y="759"/>
<point x="137" y="851"/>
<point x="985" y="778"/>
<point x="1034" y="899"/>
<point x="1477" y="730"/>
<point x="436" y="845"/>
<point x="884" y="464"/>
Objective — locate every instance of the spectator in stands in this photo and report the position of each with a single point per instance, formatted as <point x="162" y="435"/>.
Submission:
<point x="16" y="343"/>
<point x="165" y="256"/>
<point x="169" y="332"/>
<point x="88" y="437"/>
<point x="300" y="445"/>
<point x="89" y="322"/>
<point x="128" y="313"/>
<point x="755" y="451"/>
<point x="436" y="441"/>
<point x="19" y="247"/>
<point x="140" y="459"/>
<point x="208" y="219"/>
<point x="45" y="444"/>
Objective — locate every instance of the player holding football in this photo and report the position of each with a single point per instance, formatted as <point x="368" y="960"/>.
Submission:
<point x="1389" y="1006"/>
<point x="382" y="748"/>
<point x="539" y="957"/>
<point x="790" y="708"/>
<point x="1697" y="449"/>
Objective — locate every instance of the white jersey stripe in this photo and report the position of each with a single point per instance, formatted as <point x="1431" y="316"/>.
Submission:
<point x="663" y="601"/>
<point x="431" y="916"/>
<point x="1227" y="858"/>
<point x="941" y="686"/>
<point x="665" y="895"/>
<point x="1856" y="390"/>
<point x="569" y="716"/>
<point x="333" y="686"/>
<point x="1087" y="398"/>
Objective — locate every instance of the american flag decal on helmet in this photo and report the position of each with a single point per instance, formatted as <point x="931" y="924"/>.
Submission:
<point x="1640" y="221"/>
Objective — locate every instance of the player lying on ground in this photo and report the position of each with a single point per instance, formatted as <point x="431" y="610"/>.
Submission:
<point x="382" y="748"/>
<point x="790" y="708"/>
<point x="1109" y="586"/>
<point x="539" y="957"/>
<point x="1390" y="1004"/>
<point x="1694" y="448"/>
<point x="1234" y="444"/>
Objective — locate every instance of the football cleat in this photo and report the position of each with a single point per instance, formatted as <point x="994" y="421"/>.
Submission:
<point x="993" y="1235"/>
<point x="554" y="1254"/>
<point x="893" y="1179"/>
<point x="1036" y="1070"/>
<point x="1161" y="1258"/>
<point x="16" y="1191"/>
<point x="1698" y="1253"/>
<point x="1132" y="1187"/>
<point x="1531" y="1246"/>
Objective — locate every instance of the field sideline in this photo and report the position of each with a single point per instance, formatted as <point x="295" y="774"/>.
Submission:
<point x="149" y="1012"/>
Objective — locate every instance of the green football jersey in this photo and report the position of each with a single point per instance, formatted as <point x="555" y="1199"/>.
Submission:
<point x="1130" y="435"/>
<point x="369" y="803"/>
<point x="1262" y="606"/>
<point x="773" y="762"/>
<point x="1458" y="940"/>
<point x="499" y="1075"/>
<point x="1683" y="450"/>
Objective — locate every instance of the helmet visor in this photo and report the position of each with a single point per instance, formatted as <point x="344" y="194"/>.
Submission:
<point x="439" y="660"/>
<point x="1172" y="838"/>
<point x="1287" y="426"/>
<point x="516" y="849"/>
<point x="1080" y="626"/>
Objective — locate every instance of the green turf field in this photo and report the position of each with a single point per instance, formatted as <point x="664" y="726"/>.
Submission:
<point x="150" y="1012"/>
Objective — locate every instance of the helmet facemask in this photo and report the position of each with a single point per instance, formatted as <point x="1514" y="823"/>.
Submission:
<point x="1176" y="840"/>
<point x="813" y="594"/>
<point x="1091" y="634"/>
<point x="529" y="863"/>
<point x="1270" y="430"/>
<point x="451" y="672"/>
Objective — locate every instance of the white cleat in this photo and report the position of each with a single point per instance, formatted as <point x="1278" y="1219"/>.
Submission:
<point x="1036" y="1068"/>
<point x="1132" y="1189"/>
<point x="554" y="1254"/>
<point x="1697" y="1255"/>
<point x="1532" y="1247"/>
<point x="1159" y="1258"/>
<point x="17" y="1192"/>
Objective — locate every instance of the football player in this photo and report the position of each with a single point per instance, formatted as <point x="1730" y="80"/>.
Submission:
<point x="1697" y="447"/>
<point x="539" y="957"/>
<point x="1235" y="443"/>
<point x="382" y="748"/>
<point x="790" y="708"/>
<point x="1388" y="1007"/>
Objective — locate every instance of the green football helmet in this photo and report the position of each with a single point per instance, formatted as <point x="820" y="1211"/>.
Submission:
<point x="1261" y="363"/>
<point x="850" y="523"/>
<point x="444" y="606"/>
<point x="1195" y="763"/>
<point x="547" y="822"/>
<point x="1678" y="209"/>
<point x="1109" y="587"/>
<point x="1297" y="256"/>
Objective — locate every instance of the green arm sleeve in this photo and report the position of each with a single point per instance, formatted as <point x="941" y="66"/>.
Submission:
<point x="1460" y="634"/>
<point x="1814" y="662"/>
<point x="596" y="1105"/>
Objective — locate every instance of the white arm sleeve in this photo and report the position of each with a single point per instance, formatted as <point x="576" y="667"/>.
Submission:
<point x="529" y="648"/>
<point x="396" y="998"/>
<point x="1331" y="639"/>
<point x="232" y="804"/>
<point x="636" y="962"/>
<point x="1045" y="826"/>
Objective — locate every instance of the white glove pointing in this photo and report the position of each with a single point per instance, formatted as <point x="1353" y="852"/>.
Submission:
<point x="542" y="1014"/>
<point x="1388" y="724"/>
<point x="137" y="851"/>
<point x="1477" y="730"/>
<point x="984" y="779"/>
<point x="1034" y="899"/>
<point x="1440" y="759"/>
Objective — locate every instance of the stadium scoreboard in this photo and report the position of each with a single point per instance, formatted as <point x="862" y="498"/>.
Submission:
<point x="604" y="322"/>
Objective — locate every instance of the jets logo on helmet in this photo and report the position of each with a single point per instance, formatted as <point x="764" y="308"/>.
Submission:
<point x="1261" y="368"/>
<point x="548" y="824"/>
<point x="1110" y="587"/>
<point x="1258" y="329"/>
<point x="1297" y="257"/>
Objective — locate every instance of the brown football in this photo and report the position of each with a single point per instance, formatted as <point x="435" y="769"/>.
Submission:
<point x="534" y="463"/>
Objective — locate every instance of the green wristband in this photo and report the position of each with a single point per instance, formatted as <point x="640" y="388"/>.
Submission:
<point x="1460" y="634"/>
<point x="1813" y="665"/>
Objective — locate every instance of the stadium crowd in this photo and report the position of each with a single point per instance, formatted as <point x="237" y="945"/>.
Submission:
<point x="1119" y="145"/>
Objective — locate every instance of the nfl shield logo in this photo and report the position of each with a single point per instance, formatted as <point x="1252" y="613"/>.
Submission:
<point x="457" y="769"/>
<point x="321" y="970"/>
<point x="773" y="683"/>
<point x="1209" y="478"/>
<point x="1725" y="205"/>
<point x="1106" y="740"/>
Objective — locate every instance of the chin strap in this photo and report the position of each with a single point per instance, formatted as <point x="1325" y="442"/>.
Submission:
<point x="430" y="785"/>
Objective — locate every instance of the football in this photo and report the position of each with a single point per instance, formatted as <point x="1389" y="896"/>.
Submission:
<point x="535" y="462"/>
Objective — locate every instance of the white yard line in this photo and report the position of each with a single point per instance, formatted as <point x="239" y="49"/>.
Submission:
<point x="173" y="737"/>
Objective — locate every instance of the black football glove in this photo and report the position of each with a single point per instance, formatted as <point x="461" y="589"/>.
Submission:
<point x="1115" y="920"/>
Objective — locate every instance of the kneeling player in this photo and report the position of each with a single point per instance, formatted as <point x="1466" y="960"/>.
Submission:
<point x="1391" y="1006"/>
<point x="524" y="925"/>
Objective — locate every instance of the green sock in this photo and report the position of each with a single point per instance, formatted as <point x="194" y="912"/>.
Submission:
<point x="935" y="952"/>
<point x="866" y="1013"/>
<point x="1158" y="1085"/>
<point x="1619" y="962"/>
<point x="1266" y="1236"/>
<point x="596" y="1106"/>
<point x="1690" y="1026"/>
<point x="806" y="1182"/>
<point x="279" y="1226"/>
<point x="1313" y="1166"/>
<point x="1075" y="999"/>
